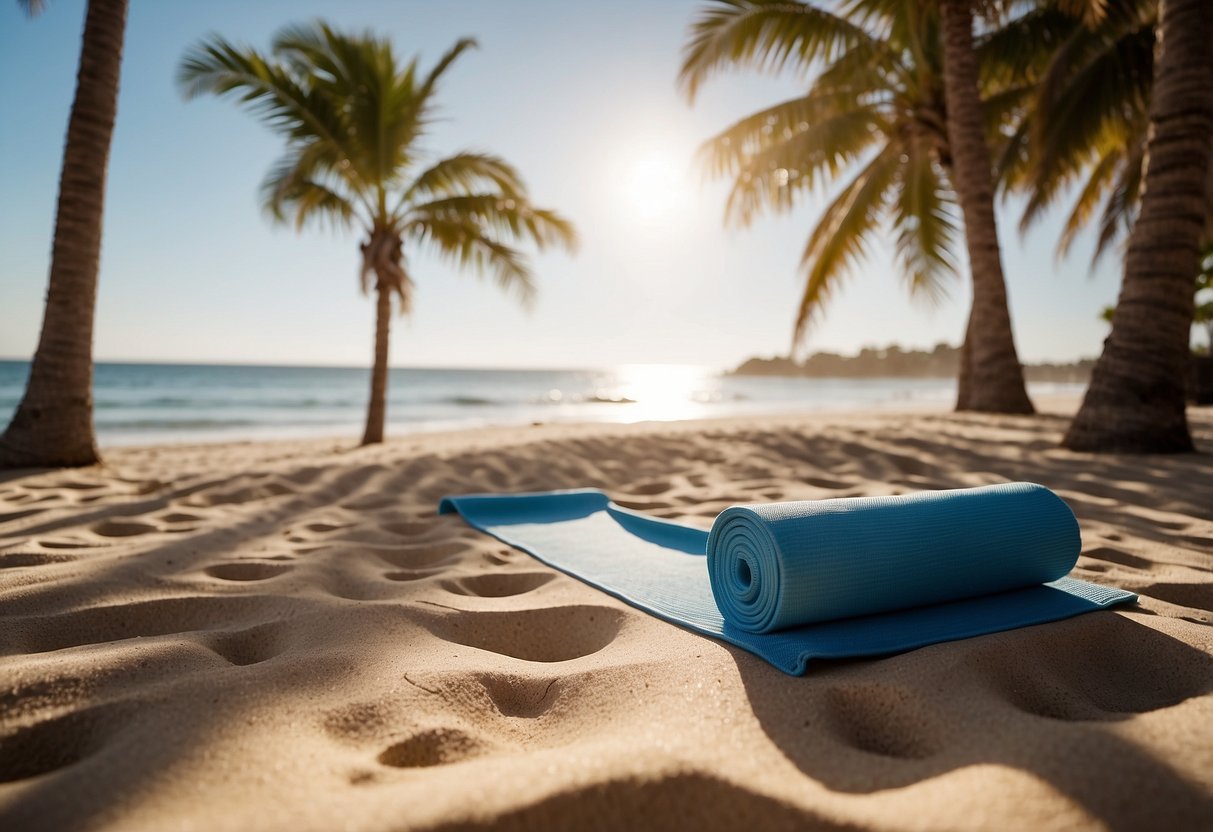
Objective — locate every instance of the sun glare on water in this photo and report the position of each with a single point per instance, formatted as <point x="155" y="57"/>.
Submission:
<point x="665" y="391"/>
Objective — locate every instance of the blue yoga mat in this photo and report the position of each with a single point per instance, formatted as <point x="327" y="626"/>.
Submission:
<point x="839" y="578"/>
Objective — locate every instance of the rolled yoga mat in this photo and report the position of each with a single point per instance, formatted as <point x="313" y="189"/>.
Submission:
<point x="778" y="565"/>
<point x="840" y="578"/>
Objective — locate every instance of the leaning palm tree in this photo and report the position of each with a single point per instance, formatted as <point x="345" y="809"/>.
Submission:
<point x="53" y="424"/>
<point x="1136" y="399"/>
<point x="878" y="107"/>
<point x="353" y="117"/>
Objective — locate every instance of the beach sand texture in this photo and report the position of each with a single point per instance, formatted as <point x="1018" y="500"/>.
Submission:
<point x="285" y="635"/>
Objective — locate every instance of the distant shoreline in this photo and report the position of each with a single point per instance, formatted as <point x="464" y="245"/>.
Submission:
<point x="893" y="362"/>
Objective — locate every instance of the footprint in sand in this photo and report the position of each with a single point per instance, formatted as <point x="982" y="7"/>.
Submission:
<point x="521" y="697"/>
<point x="246" y="570"/>
<point x="123" y="528"/>
<point x="14" y="560"/>
<point x="58" y="742"/>
<point x="425" y="554"/>
<point x="116" y="622"/>
<point x="69" y="543"/>
<point x="11" y="516"/>
<point x="178" y="517"/>
<point x="408" y="528"/>
<point x="883" y="719"/>
<point x="405" y="575"/>
<point x="1119" y="557"/>
<point x="238" y="496"/>
<point x="500" y="558"/>
<point x="823" y="482"/>
<point x="1197" y="596"/>
<point x="498" y="584"/>
<point x="548" y="634"/>
<point x="250" y="646"/>
<point x="643" y="505"/>
<point x="324" y="528"/>
<point x="650" y="489"/>
<point x="432" y="747"/>
<point x="1091" y="667"/>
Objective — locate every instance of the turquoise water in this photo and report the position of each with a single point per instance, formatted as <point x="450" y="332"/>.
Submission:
<point x="154" y="403"/>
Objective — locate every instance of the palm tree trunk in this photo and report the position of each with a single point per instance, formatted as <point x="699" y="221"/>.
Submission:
<point x="377" y="408"/>
<point x="53" y="425"/>
<point x="1135" y="402"/>
<point x="991" y="376"/>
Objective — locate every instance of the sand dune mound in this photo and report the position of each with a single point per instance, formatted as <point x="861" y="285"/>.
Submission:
<point x="287" y="635"/>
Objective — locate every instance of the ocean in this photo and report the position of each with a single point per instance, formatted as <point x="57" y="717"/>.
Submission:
<point x="162" y="403"/>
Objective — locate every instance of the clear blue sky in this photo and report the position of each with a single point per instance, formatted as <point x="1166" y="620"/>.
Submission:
<point x="580" y="96"/>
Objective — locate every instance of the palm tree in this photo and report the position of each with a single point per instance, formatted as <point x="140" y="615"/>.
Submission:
<point x="1203" y="306"/>
<point x="53" y="425"/>
<point x="991" y="377"/>
<point x="353" y="116"/>
<point x="878" y="107"/>
<point x="1136" y="400"/>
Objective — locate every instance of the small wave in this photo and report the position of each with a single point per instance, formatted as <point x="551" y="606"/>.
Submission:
<point x="158" y="401"/>
<point x="467" y="401"/>
<point x="556" y="397"/>
<point x="599" y="398"/>
<point x="216" y="403"/>
<point x="176" y="424"/>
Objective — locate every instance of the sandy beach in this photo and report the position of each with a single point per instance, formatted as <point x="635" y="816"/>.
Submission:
<point x="286" y="635"/>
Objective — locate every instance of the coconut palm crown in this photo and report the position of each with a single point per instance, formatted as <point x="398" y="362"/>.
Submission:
<point x="874" y="114"/>
<point x="353" y="116"/>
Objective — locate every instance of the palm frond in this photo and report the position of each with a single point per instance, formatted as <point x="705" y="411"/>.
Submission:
<point x="376" y="96"/>
<point x="501" y="215"/>
<point x="926" y="224"/>
<point x="1100" y="178"/>
<point x="431" y="79"/>
<point x="270" y="90"/>
<point x="1022" y="49"/>
<point x="840" y="238"/>
<point x="292" y="191"/>
<point x="464" y="173"/>
<point x="765" y="35"/>
<point x="772" y="177"/>
<point x="1092" y="98"/>
<point x="1120" y="208"/>
<point x="731" y="149"/>
<point x="466" y="244"/>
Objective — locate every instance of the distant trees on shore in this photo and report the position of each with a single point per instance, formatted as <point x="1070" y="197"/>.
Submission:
<point x="893" y="362"/>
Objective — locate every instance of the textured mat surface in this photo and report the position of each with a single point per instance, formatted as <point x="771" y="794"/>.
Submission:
<point x="792" y="582"/>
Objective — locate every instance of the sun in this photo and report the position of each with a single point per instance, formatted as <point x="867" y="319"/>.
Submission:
<point x="654" y="185"/>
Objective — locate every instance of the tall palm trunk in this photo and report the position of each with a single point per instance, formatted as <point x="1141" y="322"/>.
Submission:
<point x="1135" y="401"/>
<point x="53" y="425"/>
<point x="991" y="377"/>
<point x="377" y="408"/>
